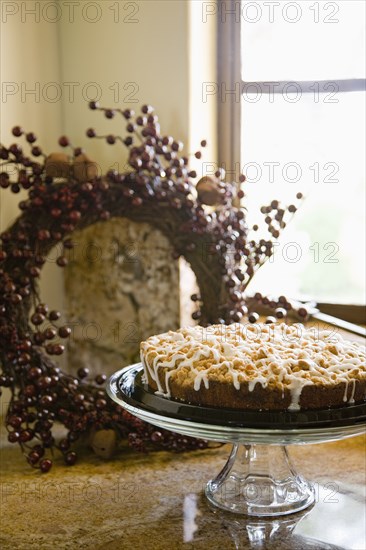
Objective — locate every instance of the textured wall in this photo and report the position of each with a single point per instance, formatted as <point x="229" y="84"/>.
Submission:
<point x="121" y="286"/>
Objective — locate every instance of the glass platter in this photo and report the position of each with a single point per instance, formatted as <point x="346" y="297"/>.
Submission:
<point x="258" y="478"/>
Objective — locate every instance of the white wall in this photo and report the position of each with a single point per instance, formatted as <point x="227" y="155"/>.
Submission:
<point x="156" y="51"/>
<point x="132" y="63"/>
<point x="29" y="61"/>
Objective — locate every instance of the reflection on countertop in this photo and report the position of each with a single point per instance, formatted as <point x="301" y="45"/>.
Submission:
<point x="342" y="527"/>
<point x="156" y="501"/>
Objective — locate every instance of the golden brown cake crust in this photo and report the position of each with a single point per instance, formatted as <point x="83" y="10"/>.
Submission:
<point x="226" y="396"/>
<point x="259" y="368"/>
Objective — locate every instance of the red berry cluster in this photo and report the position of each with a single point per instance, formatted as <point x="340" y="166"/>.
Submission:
<point x="203" y="223"/>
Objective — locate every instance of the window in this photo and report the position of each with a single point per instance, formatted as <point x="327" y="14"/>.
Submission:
<point x="301" y="79"/>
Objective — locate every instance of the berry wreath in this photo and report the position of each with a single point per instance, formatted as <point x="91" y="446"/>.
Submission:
<point x="204" y="222"/>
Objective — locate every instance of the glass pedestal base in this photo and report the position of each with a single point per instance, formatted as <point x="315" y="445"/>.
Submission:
<point x="259" y="480"/>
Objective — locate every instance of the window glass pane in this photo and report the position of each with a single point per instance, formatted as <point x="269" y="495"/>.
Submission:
<point x="300" y="40"/>
<point x="316" y="148"/>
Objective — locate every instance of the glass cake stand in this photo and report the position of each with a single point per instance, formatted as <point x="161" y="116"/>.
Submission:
<point x="258" y="478"/>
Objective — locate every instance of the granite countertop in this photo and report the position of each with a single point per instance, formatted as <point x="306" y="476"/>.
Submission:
<point x="156" y="501"/>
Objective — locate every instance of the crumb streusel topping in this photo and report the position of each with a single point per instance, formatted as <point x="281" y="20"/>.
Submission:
<point x="275" y="356"/>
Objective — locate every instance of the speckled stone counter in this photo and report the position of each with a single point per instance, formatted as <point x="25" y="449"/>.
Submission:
<point x="156" y="502"/>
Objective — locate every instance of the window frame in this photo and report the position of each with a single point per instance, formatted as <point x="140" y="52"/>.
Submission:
<point x="230" y="116"/>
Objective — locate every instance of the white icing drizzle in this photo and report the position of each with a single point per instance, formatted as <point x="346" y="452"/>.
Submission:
<point x="352" y="398"/>
<point x="281" y="356"/>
